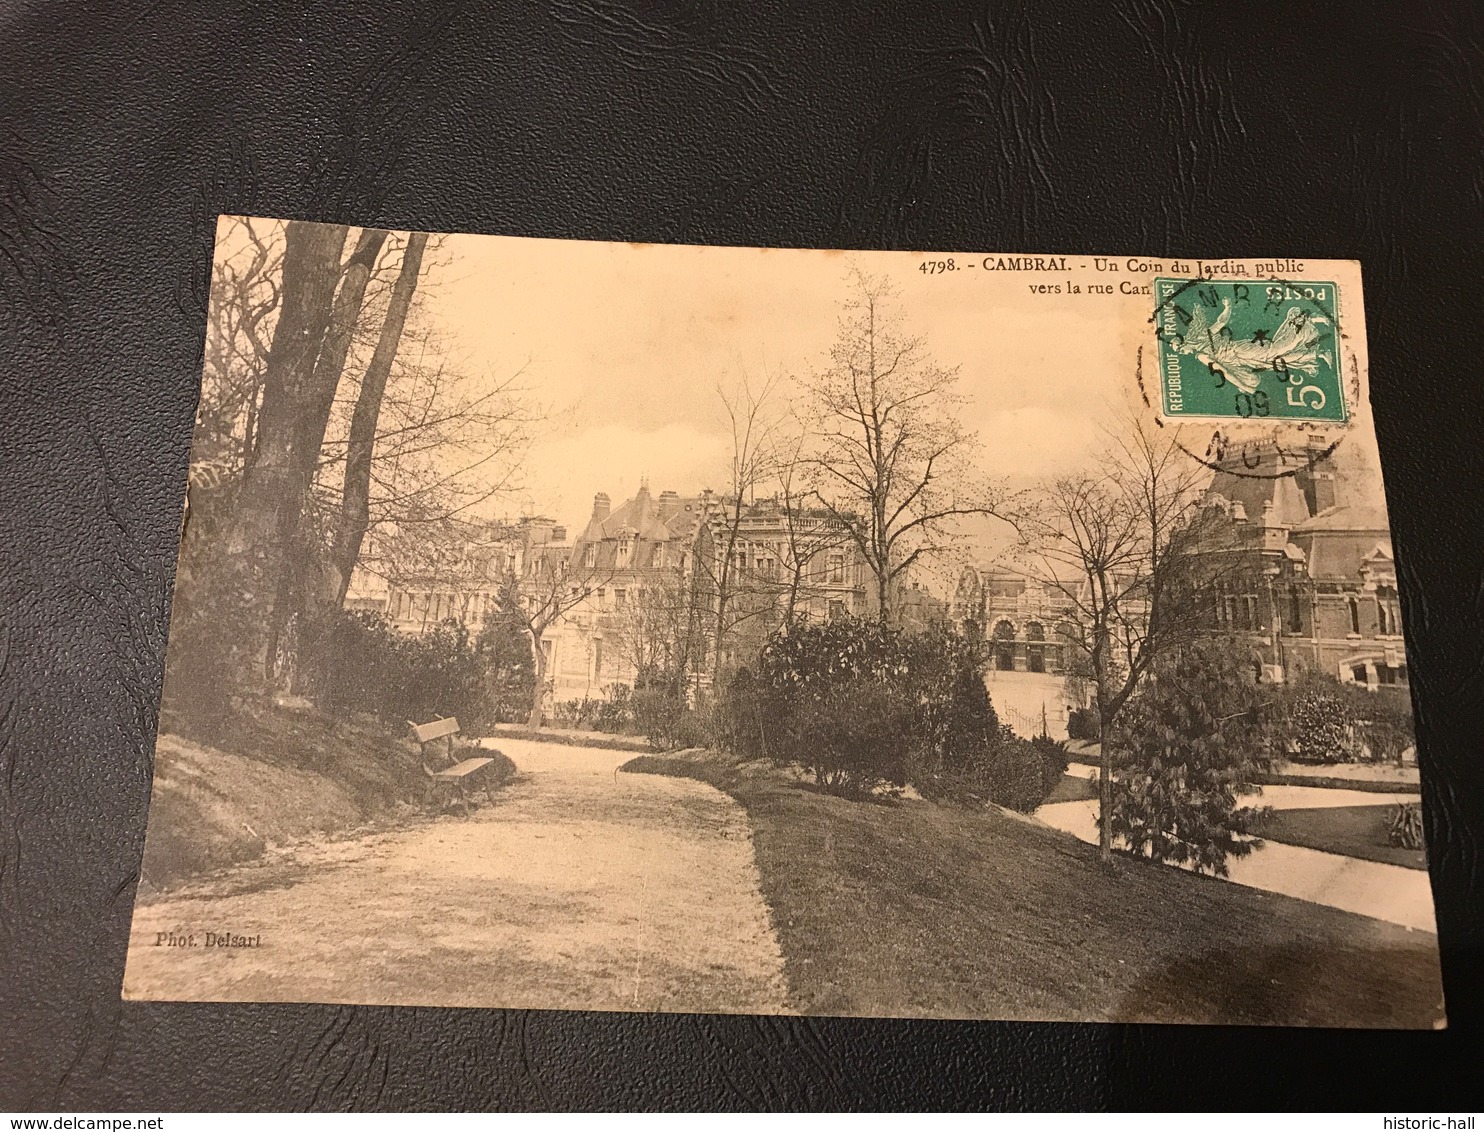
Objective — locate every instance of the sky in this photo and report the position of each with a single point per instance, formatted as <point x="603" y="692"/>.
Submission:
<point x="623" y="348"/>
<point x="625" y="345"/>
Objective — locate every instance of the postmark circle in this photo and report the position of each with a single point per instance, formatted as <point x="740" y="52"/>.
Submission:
<point x="1257" y="364"/>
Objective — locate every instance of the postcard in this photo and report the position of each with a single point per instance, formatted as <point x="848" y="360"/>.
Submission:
<point x="597" y="626"/>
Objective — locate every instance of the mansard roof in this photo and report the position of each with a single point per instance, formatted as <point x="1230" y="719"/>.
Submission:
<point x="1357" y="517"/>
<point x="1256" y="490"/>
<point x="646" y="523"/>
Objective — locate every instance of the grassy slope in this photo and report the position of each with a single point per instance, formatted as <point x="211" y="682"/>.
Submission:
<point x="912" y="909"/>
<point x="1353" y="831"/>
<point x="271" y="777"/>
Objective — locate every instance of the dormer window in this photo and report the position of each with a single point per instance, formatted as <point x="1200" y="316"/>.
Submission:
<point x="625" y="545"/>
<point x="590" y="555"/>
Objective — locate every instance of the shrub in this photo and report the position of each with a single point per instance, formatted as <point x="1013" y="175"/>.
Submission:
<point x="660" y="715"/>
<point x="1082" y="724"/>
<point x="1006" y="770"/>
<point x="1320" y="722"/>
<point x="1187" y="746"/>
<point x="1055" y="758"/>
<point x="851" y="737"/>
<point x="359" y="664"/>
<point x="1406" y="826"/>
<point x="742" y="716"/>
<point x="860" y="705"/>
<point x="509" y="673"/>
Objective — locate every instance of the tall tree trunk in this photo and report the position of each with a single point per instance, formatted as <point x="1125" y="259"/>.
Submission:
<point x="266" y="515"/>
<point x="296" y="586"/>
<point x="1105" y="792"/>
<point x="538" y="693"/>
<point x="355" y="512"/>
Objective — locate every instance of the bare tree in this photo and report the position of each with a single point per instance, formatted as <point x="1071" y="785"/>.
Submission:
<point x="355" y="510"/>
<point x="1124" y="546"/>
<point x="890" y="458"/>
<point x="328" y="406"/>
<point x="551" y="586"/>
<point x="808" y="534"/>
<point x="269" y="506"/>
<point x="296" y="588"/>
<point x="753" y="423"/>
<point x="659" y="631"/>
<point x="244" y="304"/>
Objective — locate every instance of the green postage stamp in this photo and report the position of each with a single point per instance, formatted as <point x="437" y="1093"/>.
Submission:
<point x="1249" y="349"/>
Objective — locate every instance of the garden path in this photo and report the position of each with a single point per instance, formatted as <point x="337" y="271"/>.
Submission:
<point x="581" y="887"/>
<point x="1386" y="892"/>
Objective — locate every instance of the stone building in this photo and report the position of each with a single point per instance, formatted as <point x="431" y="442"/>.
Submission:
<point x="1024" y="618"/>
<point x="654" y="564"/>
<point x="1311" y="574"/>
<point x="1026" y="622"/>
<point x="652" y="568"/>
<point x="638" y="561"/>
<point x="417" y="580"/>
<point x="1306" y="579"/>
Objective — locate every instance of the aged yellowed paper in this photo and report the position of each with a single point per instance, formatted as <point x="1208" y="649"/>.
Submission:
<point x="581" y="625"/>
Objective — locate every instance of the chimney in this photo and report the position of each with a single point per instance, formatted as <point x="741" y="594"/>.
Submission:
<point x="601" y="506"/>
<point x="537" y="530"/>
<point x="669" y="504"/>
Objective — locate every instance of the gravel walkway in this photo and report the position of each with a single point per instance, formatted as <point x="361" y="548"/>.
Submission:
<point x="580" y="888"/>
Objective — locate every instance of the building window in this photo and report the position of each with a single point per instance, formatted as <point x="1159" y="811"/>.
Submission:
<point x="1354" y="616"/>
<point x="837" y="567"/>
<point x="619" y="598"/>
<point x="1388" y="612"/>
<point x="1035" y="653"/>
<point x="1228" y="611"/>
<point x="1295" y="611"/>
<point x="1004" y="646"/>
<point x="624" y="546"/>
<point x="1249" y="612"/>
<point x="837" y="610"/>
<point x="590" y="555"/>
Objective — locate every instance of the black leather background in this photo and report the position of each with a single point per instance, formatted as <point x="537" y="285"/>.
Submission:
<point x="1243" y="128"/>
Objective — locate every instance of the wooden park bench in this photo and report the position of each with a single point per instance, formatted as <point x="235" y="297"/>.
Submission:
<point x="441" y="765"/>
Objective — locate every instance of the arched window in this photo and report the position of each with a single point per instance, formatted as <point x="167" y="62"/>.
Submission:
<point x="1354" y="616"/>
<point x="1295" y="611"/>
<point x="1035" y="653"/>
<point x="1004" y="646"/>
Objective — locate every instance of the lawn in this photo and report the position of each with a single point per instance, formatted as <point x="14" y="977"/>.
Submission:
<point x="1080" y="785"/>
<point x="912" y="909"/>
<point x="1352" y="831"/>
